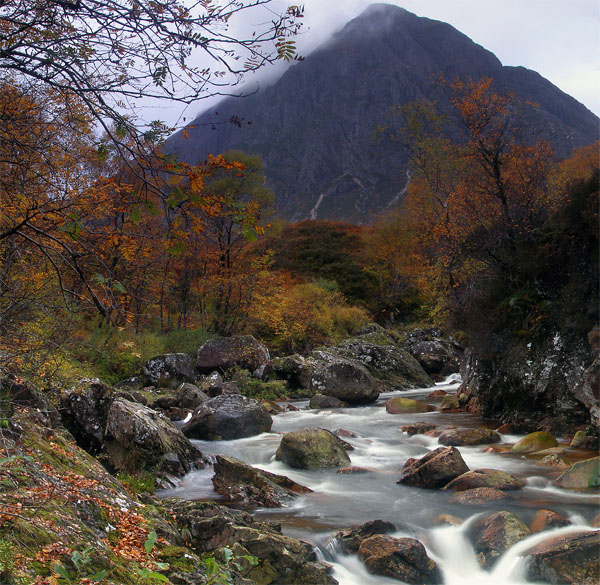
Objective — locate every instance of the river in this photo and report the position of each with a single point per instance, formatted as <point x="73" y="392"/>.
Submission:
<point x="339" y="501"/>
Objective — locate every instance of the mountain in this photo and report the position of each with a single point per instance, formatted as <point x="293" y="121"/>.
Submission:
<point x="314" y="126"/>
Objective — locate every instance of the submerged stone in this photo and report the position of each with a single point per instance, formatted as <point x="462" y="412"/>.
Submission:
<point x="399" y="405"/>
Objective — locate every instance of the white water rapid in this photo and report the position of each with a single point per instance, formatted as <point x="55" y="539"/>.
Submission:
<point x="340" y="501"/>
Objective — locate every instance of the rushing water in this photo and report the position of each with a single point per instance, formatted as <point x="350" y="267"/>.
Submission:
<point x="339" y="501"/>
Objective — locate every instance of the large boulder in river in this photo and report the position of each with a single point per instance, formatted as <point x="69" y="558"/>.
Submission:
<point x="400" y="558"/>
<point x="345" y="381"/>
<point x="238" y="481"/>
<point x="474" y="436"/>
<point x="222" y="353"/>
<point x="137" y="438"/>
<point x="168" y="370"/>
<point x="494" y="534"/>
<point x="532" y="442"/>
<point x="489" y="478"/>
<point x="434" y="470"/>
<point x="400" y="405"/>
<point x="570" y="559"/>
<point x="312" y="448"/>
<point x="581" y="475"/>
<point x="226" y="417"/>
<point x="389" y="364"/>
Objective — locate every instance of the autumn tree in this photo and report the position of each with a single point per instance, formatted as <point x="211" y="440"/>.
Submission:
<point x="473" y="199"/>
<point x="110" y="53"/>
<point x="85" y="191"/>
<point x="215" y="212"/>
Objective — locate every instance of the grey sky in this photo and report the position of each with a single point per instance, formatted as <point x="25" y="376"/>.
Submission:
<point x="560" y="39"/>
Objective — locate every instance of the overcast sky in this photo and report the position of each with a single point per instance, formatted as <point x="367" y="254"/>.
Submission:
<point x="560" y="39"/>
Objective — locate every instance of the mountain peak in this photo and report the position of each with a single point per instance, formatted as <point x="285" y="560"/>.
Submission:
<point x="313" y="127"/>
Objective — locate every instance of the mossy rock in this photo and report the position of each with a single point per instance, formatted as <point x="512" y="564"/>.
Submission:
<point x="581" y="475"/>
<point x="533" y="442"/>
<point x="399" y="405"/>
<point x="579" y="438"/>
<point x="312" y="448"/>
<point x="450" y="402"/>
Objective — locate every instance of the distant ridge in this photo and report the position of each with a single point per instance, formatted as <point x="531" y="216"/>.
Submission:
<point x="313" y="127"/>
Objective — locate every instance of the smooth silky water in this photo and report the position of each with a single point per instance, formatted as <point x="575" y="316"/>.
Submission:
<point x="339" y="501"/>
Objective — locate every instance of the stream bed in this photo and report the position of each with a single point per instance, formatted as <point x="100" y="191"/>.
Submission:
<point x="340" y="501"/>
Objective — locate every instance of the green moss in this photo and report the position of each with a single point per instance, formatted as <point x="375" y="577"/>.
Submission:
<point x="138" y="483"/>
<point x="272" y="390"/>
<point x="178" y="557"/>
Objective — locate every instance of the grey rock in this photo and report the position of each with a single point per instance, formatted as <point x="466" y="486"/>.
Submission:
<point x="322" y="401"/>
<point x="169" y="370"/>
<point x="345" y="380"/>
<point x="222" y="353"/>
<point x="227" y="417"/>
<point x="137" y="438"/>
<point x="238" y="481"/>
<point x="190" y="396"/>
<point x="84" y="411"/>
<point x="388" y="363"/>
<point x="281" y="559"/>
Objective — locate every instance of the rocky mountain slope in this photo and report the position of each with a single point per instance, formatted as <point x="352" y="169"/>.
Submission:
<point x="314" y="127"/>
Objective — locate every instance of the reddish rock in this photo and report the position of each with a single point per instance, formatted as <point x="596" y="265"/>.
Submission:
<point x="344" y="433"/>
<point x="566" y="560"/>
<point x="352" y="469"/>
<point x="489" y="478"/>
<point x="506" y="429"/>
<point x="458" y="437"/>
<point x="400" y="558"/>
<point x="418" y="428"/>
<point x="434" y="470"/>
<point x="437" y="393"/>
<point x="350" y="540"/>
<point x="480" y="495"/>
<point x="546" y="519"/>
<point x="448" y="519"/>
